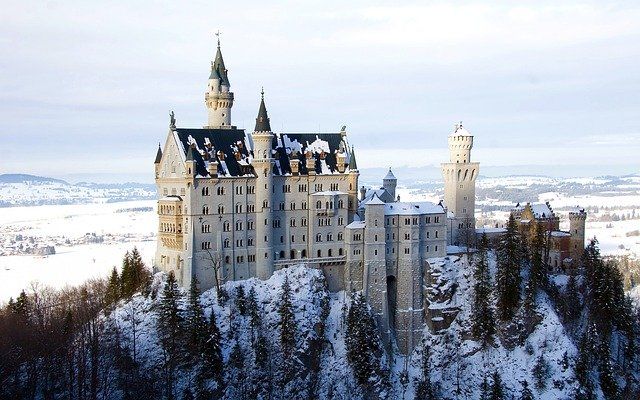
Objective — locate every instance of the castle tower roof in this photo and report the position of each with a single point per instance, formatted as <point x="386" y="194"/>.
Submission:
<point x="190" y="154"/>
<point x="390" y="175"/>
<point x="460" y="130"/>
<point x="262" y="121"/>
<point x="218" y="70"/>
<point x="352" y="160"/>
<point x="158" y="155"/>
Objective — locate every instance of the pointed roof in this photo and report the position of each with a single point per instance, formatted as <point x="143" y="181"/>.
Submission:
<point x="375" y="200"/>
<point x="352" y="160"/>
<point x="460" y="130"/>
<point x="158" y="155"/>
<point x="218" y="70"/>
<point x="390" y="175"/>
<point x="190" y="154"/>
<point x="262" y="121"/>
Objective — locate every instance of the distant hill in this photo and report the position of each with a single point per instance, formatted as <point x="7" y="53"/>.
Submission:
<point x="19" y="178"/>
<point x="30" y="190"/>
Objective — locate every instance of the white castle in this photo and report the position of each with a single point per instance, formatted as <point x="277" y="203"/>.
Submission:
<point x="234" y="205"/>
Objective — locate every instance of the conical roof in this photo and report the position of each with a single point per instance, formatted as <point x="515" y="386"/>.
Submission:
<point x="352" y="160"/>
<point x="390" y="175"/>
<point x="218" y="70"/>
<point x="190" y="154"/>
<point x="158" y="155"/>
<point x="460" y="130"/>
<point x="262" y="121"/>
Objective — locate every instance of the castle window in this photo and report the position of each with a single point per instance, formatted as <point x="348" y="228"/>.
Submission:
<point x="303" y="222"/>
<point x="238" y="189"/>
<point x="319" y="253"/>
<point x="340" y="236"/>
<point x="304" y="238"/>
<point x="436" y="247"/>
<point x="292" y="206"/>
<point x="206" y="228"/>
<point x="329" y="237"/>
<point x="238" y="225"/>
<point x="281" y="239"/>
<point x="293" y="238"/>
<point x="340" y="204"/>
<point x="249" y="241"/>
<point x="227" y="259"/>
<point x="292" y="222"/>
<point x="375" y="223"/>
<point x="437" y="220"/>
<point x="340" y="251"/>
<point x="226" y="243"/>
<point x="239" y="243"/>
<point x="205" y="210"/>
<point x="330" y="253"/>
<point x="220" y="209"/>
<point x="220" y="191"/>
<point x="251" y="208"/>
<point x="375" y="238"/>
<point x="226" y="226"/>
<point x="340" y="221"/>
<point x="281" y="253"/>
<point x="265" y="204"/>
<point x="304" y="205"/>
<point x="251" y="190"/>
<point x="407" y="236"/>
<point x="428" y="234"/>
<point x="407" y="250"/>
<point x="304" y="253"/>
<point x="464" y="210"/>
<point x="318" y="204"/>
<point x="238" y="208"/>
<point x="427" y="220"/>
<point x="251" y="258"/>
<point x="407" y="221"/>
<point x="276" y="223"/>
<point x="436" y="234"/>
<point x="318" y="237"/>
<point x="282" y="206"/>
<point x="292" y="254"/>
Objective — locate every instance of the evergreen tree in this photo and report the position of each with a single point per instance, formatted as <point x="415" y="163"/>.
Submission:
<point x="525" y="394"/>
<point x="254" y="312"/>
<point x="212" y="351"/>
<point x="586" y="352"/>
<point x="485" y="389"/>
<point x="195" y="321"/>
<point x="482" y="320"/>
<point x="497" y="389"/>
<point x="288" y="326"/>
<point x="113" y="288"/>
<point x="170" y="327"/>
<point x="241" y="300"/>
<point x="126" y="276"/>
<point x="237" y="363"/>
<point x="538" y="274"/>
<point x="508" y="272"/>
<point x="541" y="372"/>
<point x="572" y="305"/>
<point x="608" y="382"/>
<point x="424" y="387"/>
<point x="261" y="351"/>
<point x="361" y="341"/>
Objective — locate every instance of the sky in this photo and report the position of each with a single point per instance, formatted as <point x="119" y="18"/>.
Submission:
<point x="546" y="87"/>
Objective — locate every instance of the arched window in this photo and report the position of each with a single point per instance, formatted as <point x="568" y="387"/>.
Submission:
<point x="205" y="209"/>
<point x="319" y="253"/>
<point x="330" y="252"/>
<point x="292" y="254"/>
<point x="340" y="251"/>
<point x="220" y="209"/>
<point x="227" y="260"/>
<point x="226" y="243"/>
<point x="304" y="253"/>
<point x="281" y="253"/>
<point x="318" y="204"/>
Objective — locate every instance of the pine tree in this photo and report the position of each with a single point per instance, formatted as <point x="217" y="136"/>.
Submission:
<point x="288" y="326"/>
<point x="497" y="389"/>
<point x="195" y="321"/>
<point x="572" y="304"/>
<point x="361" y="341"/>
<point x="126" y="276"/>
<point x="254" y="312"/>
<point x="424" y="388"/>
<point x="525" y="394"/>
<point x="538" y="274"/>
<point x="237" y="363"/>
<point x="508" y="272"/>
<point x="608" y="382"/>
<point x="113" y="288"/>
<point x="212" y="351"/>
<point x="241" y="301"/>
<point x="541" y="372"/>
<point x="170" y="327"/>
<point x="261" y="351"/>
<point x="586" y="352"/>
<point x="482" y="321"/>
<point x="485" y="389"/>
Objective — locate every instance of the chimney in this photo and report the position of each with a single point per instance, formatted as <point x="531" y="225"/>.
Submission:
<point x="363" y="192"/>
<point x="341" y="158"/>
<point x="310" y="163"/>
<point x="294" y="164"/>
<point x="213" y="168"/>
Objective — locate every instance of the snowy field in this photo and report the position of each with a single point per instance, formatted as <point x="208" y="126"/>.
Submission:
<point x="88" y="239"/>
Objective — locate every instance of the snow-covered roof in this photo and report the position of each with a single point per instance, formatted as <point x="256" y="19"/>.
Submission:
<point x="460" y="130"/>
<point x="541" y="210"/>
<point x="381" y="193"/>
<point x="419" y="208"/>
<point x="390" y="175"/>
<point x="491" y="230"/>
<point x="560" y="234"/>
<point x="375" y="200"/>
<point x="328" y="193"/>
<point x="171" y="198"/>
<point x="356" y="225"/>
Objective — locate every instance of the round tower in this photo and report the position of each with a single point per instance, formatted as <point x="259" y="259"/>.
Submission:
<point x="263" y="166"/>
<point x="460" y="176"/>
<point x="389" y="183"/>
<point x="218" y="97"/>
<point x="577" y="222"/>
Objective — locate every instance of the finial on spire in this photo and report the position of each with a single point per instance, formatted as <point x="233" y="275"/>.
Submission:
<point x="262" y="92"/>
<point x="218" y="36"/>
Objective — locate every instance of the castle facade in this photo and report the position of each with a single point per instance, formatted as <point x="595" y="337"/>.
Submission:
<point x="234" y="205"/>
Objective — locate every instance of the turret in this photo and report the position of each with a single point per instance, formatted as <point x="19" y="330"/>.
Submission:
<point x="157" y="161"/>
<point x="218" y="98"/>
<point x="577" y="222"/>
<point x="263" y="166"/>
<point x="460" y="176"/>
<point x="353" y="185"/>
<point x="389" y="183"/>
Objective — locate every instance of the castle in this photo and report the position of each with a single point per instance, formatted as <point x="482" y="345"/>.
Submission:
<point x="234" y="205"/>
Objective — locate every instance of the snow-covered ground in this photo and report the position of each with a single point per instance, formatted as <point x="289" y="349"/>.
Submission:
<point x="89" y="240"/>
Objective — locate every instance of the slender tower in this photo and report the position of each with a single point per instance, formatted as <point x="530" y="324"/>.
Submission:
<point x="218" y="98"/>
<point x="390" y="182"/>
<point x="460" y="186"/>
<point x="263" y="166"/>
<point x="353" y="185"/>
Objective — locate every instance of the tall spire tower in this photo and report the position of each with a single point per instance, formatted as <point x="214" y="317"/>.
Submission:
<point x="218" y="98"/>
<point x="460" y="186"/>
<point x="262" y="138"/>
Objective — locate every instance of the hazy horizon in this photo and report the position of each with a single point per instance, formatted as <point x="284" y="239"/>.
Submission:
<point x="87" y="88"/>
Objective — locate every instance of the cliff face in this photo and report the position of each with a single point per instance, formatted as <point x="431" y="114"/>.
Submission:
<point x="458" y="364"/>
